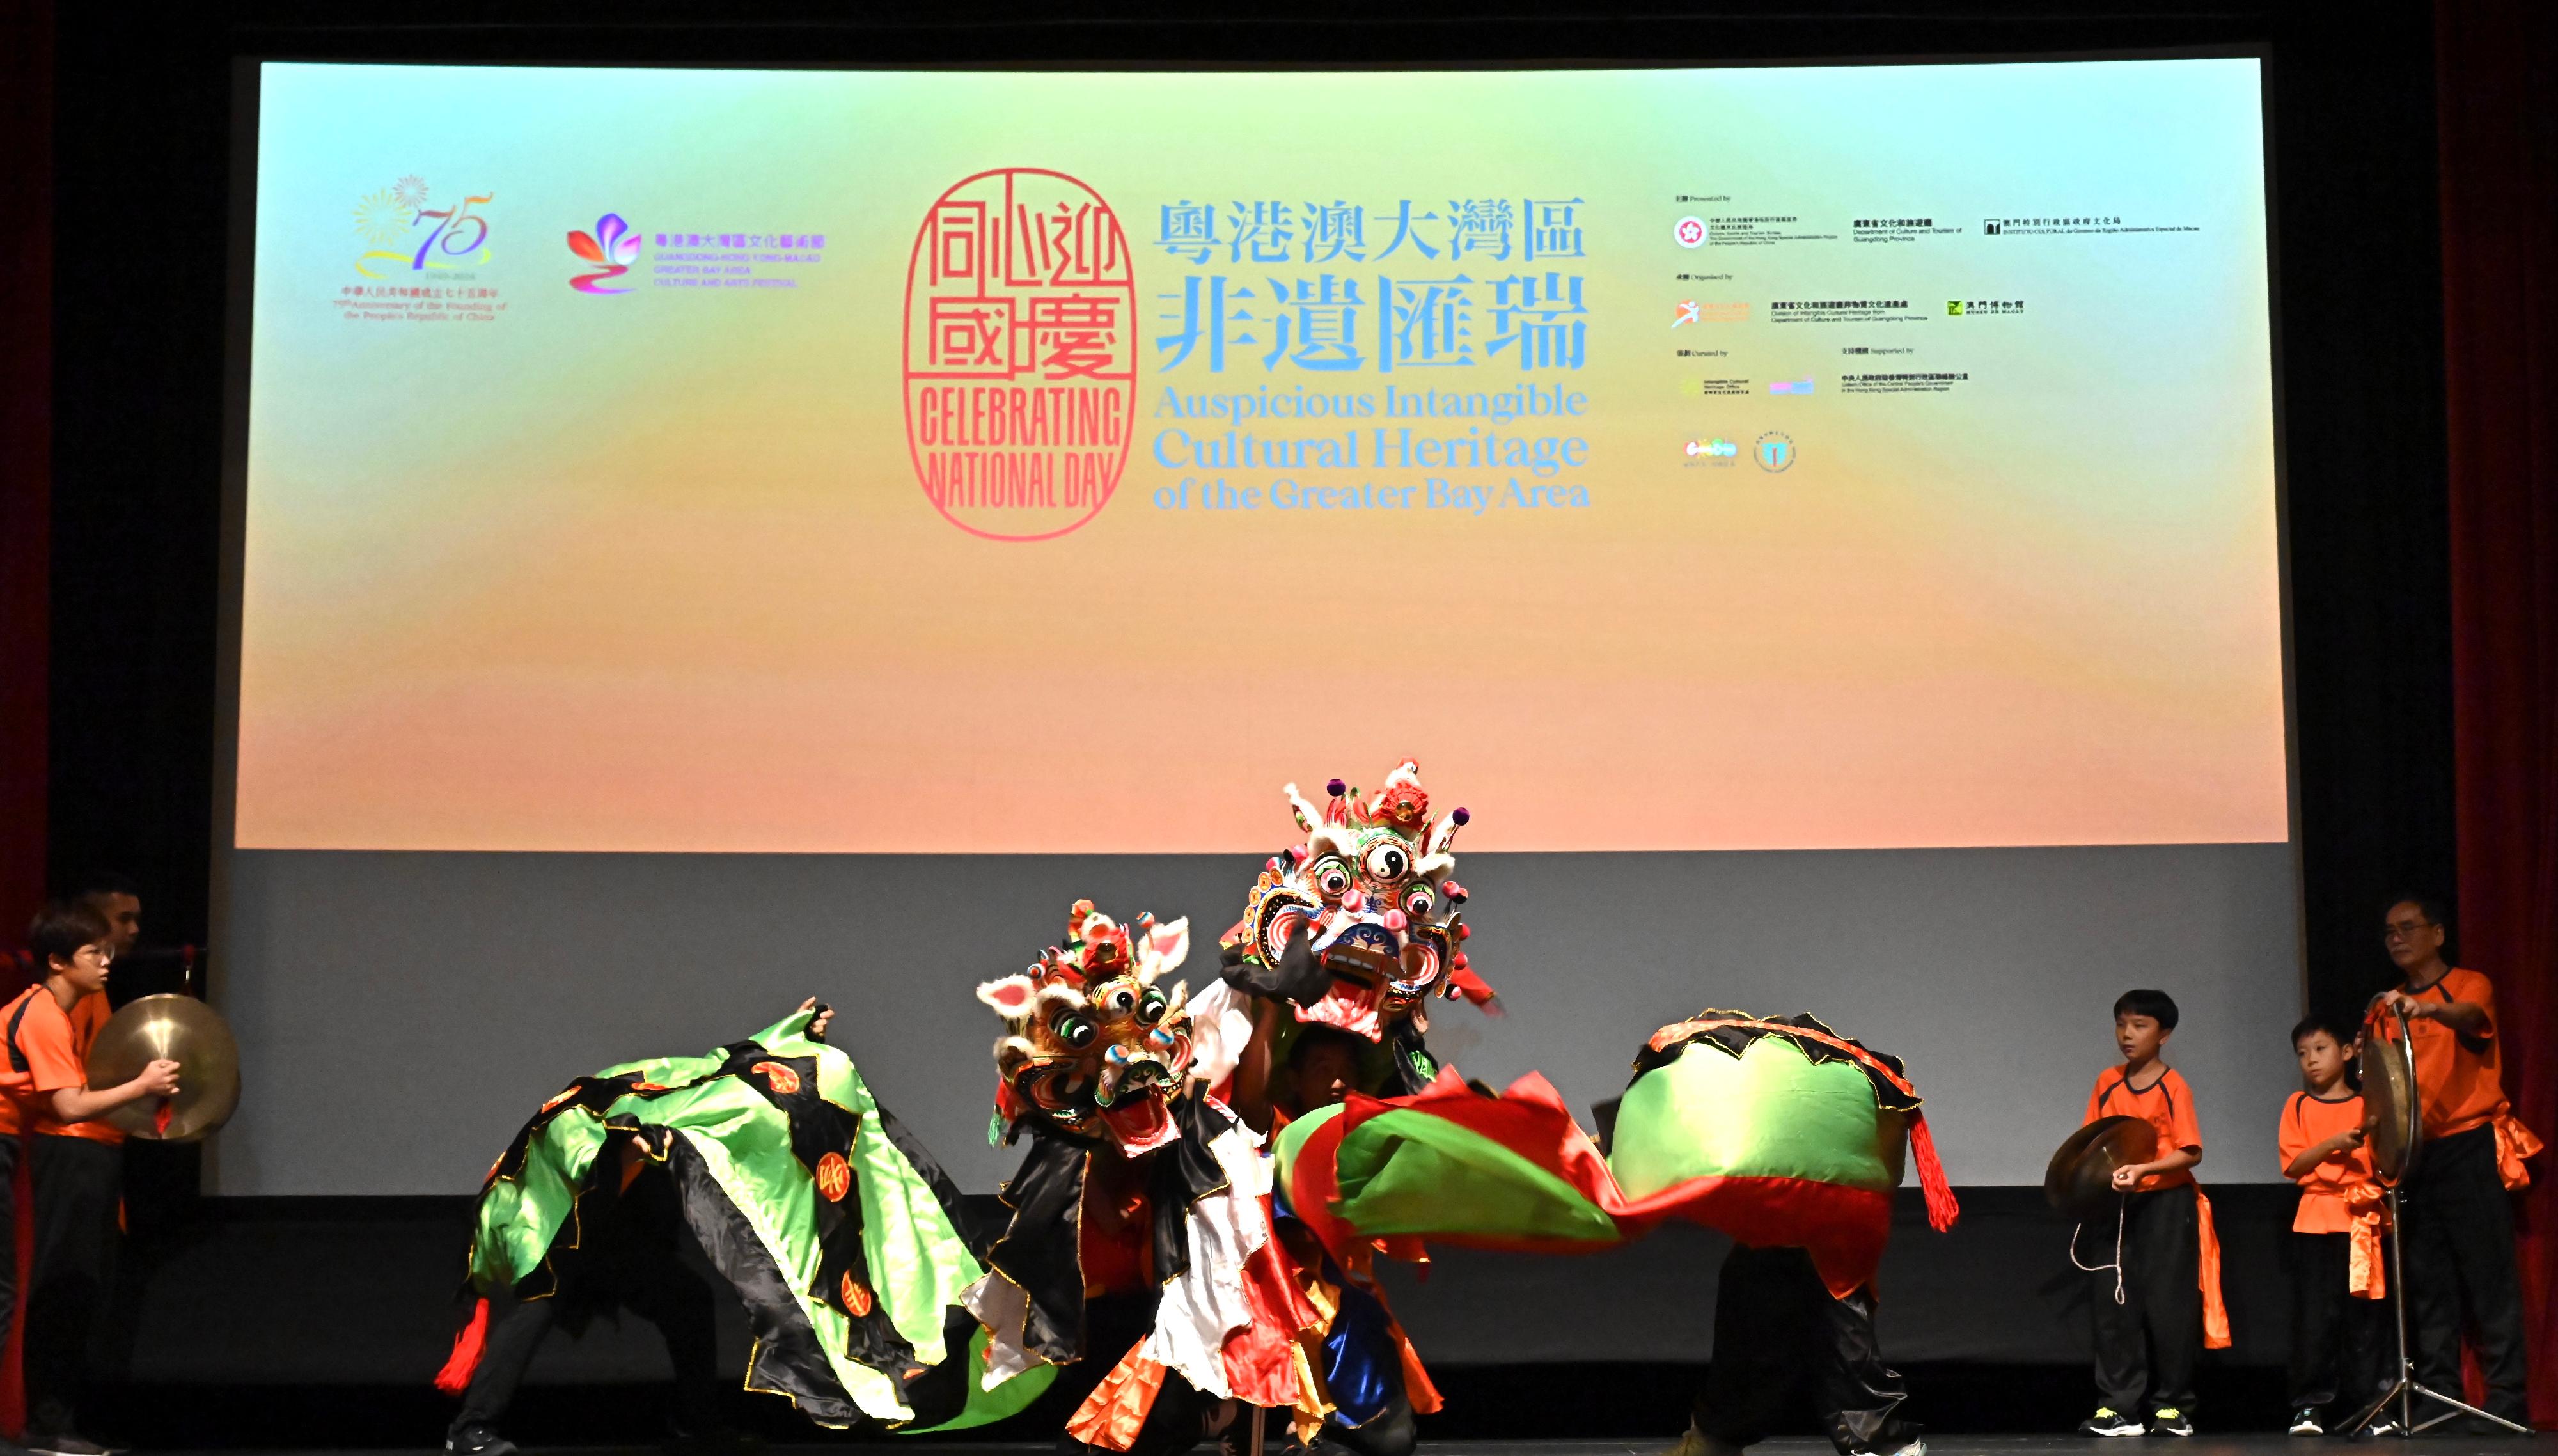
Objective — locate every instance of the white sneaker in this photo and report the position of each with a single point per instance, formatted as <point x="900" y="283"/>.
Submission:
<point x="1917" y="1448"/>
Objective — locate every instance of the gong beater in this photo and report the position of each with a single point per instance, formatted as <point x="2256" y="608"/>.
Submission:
<point x="2080" y="1180"/>
<point x="183" y="1030"/>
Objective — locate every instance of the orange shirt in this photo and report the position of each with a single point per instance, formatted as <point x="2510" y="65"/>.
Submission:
<point x="48" y="1051"/>
<point x="2167" y="1106"/>
<point x="2460" y="1080"/>
<point x="2305" y="1121"/>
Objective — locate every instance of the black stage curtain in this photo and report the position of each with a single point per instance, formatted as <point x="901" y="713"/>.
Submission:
<point x="25" y="450"/>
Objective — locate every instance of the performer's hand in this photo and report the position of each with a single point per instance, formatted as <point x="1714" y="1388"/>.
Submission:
<point x="2412" y="1008"/>
<point x="158" y="1079"/>
<point x="2128" y="1176"/>
<point x="2350" y="1140"/>
<point x="818" y="1023"/>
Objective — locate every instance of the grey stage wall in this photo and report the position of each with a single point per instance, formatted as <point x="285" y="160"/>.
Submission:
<point x="400" y="1014"/>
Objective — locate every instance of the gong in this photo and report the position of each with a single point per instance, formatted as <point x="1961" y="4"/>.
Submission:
<point x="183" y="1030"/>
<point x="2393" y="1121"/>
<point x="2080" y="1181"/>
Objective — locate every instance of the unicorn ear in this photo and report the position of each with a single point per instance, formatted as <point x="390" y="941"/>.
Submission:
<point x="1012" y="996"/>
<point x="1164" y="948"/>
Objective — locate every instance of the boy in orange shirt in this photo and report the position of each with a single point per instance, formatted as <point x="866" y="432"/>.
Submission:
<point x="75" y="1164"/>
<point x="2336" y="1336"/>
<point x="2148" y="1314"/>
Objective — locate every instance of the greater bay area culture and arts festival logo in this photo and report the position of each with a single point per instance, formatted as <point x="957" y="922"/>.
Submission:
<point x="1020" y="353"/>
<point x="610" y="250"/>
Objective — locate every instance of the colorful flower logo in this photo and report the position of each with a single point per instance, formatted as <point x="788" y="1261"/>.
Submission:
<point x="612" y="247"/>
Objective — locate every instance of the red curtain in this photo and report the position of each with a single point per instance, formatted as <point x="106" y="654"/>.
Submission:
<point x="2497" y="70"/>
<point x="25" y="447"/>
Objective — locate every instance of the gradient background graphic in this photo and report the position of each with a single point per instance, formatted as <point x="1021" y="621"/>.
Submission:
<point x="654" y="571"/>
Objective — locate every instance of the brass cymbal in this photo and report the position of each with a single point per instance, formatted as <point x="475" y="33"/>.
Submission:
<point x="185" y="1031"/>
<point x="2080" y="1180"/>
<point x="2389" y="1106"/>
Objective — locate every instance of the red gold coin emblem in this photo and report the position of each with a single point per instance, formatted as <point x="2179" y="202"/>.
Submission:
<point x="834" y="1177"/>
<point x="780" y="1079"/>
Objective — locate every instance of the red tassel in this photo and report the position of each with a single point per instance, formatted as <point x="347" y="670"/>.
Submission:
<point x="1943" y="1211"/>
<point x="468" y="1346"/>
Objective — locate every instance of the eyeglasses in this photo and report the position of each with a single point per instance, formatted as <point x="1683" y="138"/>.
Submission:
<point x="2404" y="930"/>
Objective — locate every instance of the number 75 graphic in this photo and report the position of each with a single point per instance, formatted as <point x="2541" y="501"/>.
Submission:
<point x="453" y="227"/>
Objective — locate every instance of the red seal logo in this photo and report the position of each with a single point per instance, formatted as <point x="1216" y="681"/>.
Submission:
<point x="834" y="1177"/>
<point x="857" y="1295"/>
<point x="780" y="1079"/>
<point x="1021" y="354"/>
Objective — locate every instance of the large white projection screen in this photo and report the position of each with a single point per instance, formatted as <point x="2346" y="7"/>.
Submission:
<point x="707" y="538"/>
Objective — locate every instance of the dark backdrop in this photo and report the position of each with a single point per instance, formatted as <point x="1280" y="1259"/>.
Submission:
<point x="142" y="168"/>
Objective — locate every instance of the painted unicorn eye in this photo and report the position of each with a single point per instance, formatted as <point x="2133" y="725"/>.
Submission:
<point x="1387" y="862"/>
<point x="1120" y="1001"/>
<point x="1075" y="1031"/>
<point x="1150" y="1008"/>
<point x="1332" y="878"/>
<point x="1416" y="901"/>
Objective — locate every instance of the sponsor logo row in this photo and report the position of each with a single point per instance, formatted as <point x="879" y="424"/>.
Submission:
<point x="1772" y="451"/>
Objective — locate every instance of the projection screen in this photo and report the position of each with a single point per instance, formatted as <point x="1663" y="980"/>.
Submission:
<point x="710" y="537"/>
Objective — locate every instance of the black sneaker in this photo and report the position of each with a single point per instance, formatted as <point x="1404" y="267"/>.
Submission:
<point x="68" y="1443"/>
<point x="2305" y="1423"/>
<point x="2108" y="1421"/>
<point x="2170" y="1421"/>
<point x="478" y="1440"/>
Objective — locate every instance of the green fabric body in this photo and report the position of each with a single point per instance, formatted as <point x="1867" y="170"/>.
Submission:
<point x="919" y="1262"/>
<point x="1292" y="1138"/>
<point x="1408" y="1171"/>
<point x="1768" y="1112"/>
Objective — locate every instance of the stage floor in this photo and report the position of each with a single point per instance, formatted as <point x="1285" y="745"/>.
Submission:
<point x="2250" y="1444"/>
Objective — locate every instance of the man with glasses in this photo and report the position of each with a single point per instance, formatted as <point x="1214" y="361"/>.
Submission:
<point x="2458" y="1222"/>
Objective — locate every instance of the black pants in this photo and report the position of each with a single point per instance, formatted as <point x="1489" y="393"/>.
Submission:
<point x="2459" y="1235"/>
<point x="631" y="1258"/>
<point x="2146" y="1346"/>
<point x="1777" y="1334"/>
<point x="1390" y="1433"/>
<point x="2335" y="1336"/>
<point x="77" y="1183"/>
